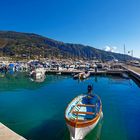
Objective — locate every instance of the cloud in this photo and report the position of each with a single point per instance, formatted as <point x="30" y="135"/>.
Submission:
<point x="110" y="49"/>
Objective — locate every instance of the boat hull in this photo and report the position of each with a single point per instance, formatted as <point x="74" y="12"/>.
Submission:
<point x="79" y="133"/>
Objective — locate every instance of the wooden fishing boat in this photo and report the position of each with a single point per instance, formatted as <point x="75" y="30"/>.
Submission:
<point x="82" y="115"/>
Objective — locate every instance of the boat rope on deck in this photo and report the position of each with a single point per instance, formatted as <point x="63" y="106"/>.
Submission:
<point x="8" y="134"/>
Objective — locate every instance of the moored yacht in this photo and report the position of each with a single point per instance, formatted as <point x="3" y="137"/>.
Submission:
<point x="84" y="75"/>
<point x="37" y="73"/>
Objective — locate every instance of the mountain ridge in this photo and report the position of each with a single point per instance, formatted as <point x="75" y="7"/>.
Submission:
<point x="17" y="43"/>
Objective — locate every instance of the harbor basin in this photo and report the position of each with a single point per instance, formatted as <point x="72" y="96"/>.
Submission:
<point x="36" y="110"/>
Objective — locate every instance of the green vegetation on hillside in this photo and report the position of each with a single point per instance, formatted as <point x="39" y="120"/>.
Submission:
<point x="15" y="44"/>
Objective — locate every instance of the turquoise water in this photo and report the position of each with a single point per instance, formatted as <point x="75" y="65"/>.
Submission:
<point x="36" y="110"/>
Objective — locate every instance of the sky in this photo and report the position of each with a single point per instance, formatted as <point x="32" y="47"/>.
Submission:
<point x="103" y="24"/>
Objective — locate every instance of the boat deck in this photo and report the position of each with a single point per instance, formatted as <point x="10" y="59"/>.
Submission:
<point x="85" y="109"/>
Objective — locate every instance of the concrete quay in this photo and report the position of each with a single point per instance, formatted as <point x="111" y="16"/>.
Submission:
<point x="133" y="71"/>
<point x="8" y="134"/>
<point x="99" y="72"/>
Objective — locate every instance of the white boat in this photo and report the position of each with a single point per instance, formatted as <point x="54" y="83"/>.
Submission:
<point x="38" y="73"/>
<point x="82" y="115"/>
<point x="84" y="75"/>
<point x="81" y="75"/>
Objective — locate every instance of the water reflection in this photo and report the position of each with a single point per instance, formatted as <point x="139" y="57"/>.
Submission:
<point x="136" y="81"/>
<point x="95" y="79"/>
<point x="17" y="80"/>
<point x="119" y="80"/>
<point x="40" y="80"/>
<point x="95" y="134"/>
<point x="82" y="80"/>
<point x="2" y="75"/>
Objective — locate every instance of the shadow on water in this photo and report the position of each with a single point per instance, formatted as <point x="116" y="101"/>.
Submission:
<point x="119" y="80"/>
<point x="52" y="129"/>
<point x="136" y="81"/>
<point x="55" y="129"/>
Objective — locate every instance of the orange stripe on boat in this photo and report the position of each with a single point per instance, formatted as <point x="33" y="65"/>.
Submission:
<point x="82" y="123"/>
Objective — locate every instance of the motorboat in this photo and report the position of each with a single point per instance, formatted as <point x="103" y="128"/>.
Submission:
<point x="37" y="73"/>
<point x="84" y="75"/>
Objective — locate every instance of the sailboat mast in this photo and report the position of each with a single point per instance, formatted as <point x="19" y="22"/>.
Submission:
<point x="124" y="53"/>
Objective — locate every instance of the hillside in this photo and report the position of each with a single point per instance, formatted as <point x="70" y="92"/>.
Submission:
<point x="25" y="44"/>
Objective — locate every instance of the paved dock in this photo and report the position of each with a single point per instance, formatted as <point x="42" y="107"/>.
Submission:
<point x="136" y="69"/>
<point x="8" y="134"/>
<point x="133" y="71"/>
<point x="99" y="72"/>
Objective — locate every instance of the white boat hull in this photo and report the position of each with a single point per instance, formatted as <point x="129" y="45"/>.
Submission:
<point x="38" y="73"/>
<point x="80" y="133"/>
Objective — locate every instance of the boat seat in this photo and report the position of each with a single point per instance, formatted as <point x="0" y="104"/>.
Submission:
<point x="86" y="105"/>
<point x="78" y="112"/>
